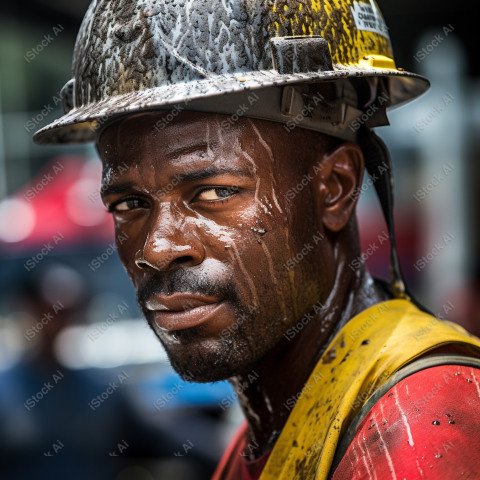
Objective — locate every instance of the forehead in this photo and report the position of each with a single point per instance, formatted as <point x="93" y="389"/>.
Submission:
<point x="139" y="144"/>
<point x="176" y="133"/>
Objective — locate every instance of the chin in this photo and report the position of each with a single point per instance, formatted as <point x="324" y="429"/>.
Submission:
<point x="203" y="372"/>
<point x="208" y="361"/>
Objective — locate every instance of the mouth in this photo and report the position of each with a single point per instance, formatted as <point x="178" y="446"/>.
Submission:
<point x="181" y="311"/>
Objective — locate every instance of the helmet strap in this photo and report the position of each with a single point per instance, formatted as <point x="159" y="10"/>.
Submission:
<point x="379" y="166"/>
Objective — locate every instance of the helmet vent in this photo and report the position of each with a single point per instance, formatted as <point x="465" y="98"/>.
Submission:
<point x="300" y="55"/>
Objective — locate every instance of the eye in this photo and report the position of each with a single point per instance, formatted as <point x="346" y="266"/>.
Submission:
<point x="127" y="205"/>
<point x="216" y="193"/>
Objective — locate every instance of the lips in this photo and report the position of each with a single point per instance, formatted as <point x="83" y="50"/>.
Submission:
<point x="178" y="302"/>
<point x="181" y="311"/>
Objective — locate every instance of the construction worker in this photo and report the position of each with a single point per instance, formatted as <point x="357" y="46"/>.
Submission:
<point x="234" y="135"/>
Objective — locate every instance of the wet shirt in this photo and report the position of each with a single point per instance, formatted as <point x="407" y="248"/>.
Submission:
<point x="421" y="428"/>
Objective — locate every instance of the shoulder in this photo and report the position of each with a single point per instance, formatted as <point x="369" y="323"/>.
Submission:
<point x="426" y="426"/>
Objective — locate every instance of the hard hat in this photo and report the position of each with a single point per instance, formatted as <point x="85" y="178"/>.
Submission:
<point x="132" y="56"/>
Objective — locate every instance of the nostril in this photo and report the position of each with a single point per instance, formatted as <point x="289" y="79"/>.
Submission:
<point x="183" y="259"/>
<point x="165" y="263"/>
<point x="141" y="263"/>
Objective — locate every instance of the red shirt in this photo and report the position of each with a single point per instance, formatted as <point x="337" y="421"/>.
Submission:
<point x="425" y="427"/>
<point x="235" y="464"/>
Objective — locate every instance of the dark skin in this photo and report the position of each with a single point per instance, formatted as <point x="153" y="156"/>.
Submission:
<point x="267" y="237"/>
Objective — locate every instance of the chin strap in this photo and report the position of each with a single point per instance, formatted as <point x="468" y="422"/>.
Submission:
<point x="379" y="166"/>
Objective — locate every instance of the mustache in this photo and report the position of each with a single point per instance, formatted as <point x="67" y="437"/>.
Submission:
<point x="184" y="281"/>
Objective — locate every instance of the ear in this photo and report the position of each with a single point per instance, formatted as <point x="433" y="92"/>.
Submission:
<point x="338" y="181"/>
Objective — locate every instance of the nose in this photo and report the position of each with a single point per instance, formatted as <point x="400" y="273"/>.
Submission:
<point x="170" y="244"/>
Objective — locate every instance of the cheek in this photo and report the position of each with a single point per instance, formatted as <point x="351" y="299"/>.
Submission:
<point x="252" y="244"/>
<point x="259" y="258"/>
<point x="215" y="237"/>
<point x="293" y="252"/>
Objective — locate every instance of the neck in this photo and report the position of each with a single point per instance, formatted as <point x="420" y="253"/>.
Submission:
<point x="269" y="391"/>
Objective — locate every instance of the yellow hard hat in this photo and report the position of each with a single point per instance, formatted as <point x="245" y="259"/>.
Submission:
<point x="210" y="55"/>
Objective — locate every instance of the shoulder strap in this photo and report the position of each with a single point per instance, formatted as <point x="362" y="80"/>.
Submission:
<point x="414" y="367"/>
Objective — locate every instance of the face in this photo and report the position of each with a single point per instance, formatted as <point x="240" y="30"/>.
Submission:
<point x="210" y="232"/>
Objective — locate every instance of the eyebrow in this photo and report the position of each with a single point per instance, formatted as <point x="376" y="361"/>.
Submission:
<point x="211" y="171"/>
<point x="195" y="175"/>
<point x="192" y="148"/>
<point x="110" y="189"/>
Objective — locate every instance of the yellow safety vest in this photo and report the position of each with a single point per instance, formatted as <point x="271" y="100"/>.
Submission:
<point x="364" y="354"/>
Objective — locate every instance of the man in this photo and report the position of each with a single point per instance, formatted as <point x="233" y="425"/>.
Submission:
<point x="234" y="137"/>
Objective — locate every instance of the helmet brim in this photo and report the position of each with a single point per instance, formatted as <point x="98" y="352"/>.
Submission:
<point x="81" y="124"/>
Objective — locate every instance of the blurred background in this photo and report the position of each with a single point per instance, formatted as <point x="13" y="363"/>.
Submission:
<point x="85" y="389"/>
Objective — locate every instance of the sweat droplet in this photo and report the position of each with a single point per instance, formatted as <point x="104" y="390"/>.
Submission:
<point x="435" y="422"/>
<point x="260" y="231"/>
<point x="438" y="455"/>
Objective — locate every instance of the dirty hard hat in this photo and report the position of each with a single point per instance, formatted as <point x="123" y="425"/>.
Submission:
<point x="329" y="58"/>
